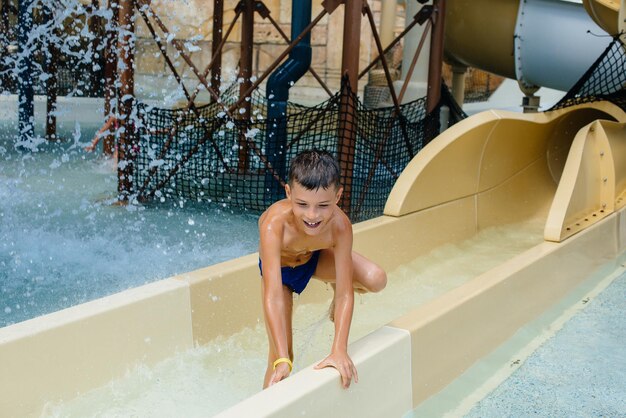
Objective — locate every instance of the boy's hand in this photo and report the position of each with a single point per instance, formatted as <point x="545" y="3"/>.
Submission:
<point x="342" y="362"/>
<point x="280" y="372"/>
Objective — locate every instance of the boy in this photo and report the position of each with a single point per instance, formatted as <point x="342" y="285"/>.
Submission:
<point x="303" y="235"/>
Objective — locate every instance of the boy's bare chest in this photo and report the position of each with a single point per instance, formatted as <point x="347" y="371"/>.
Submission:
<point x="300" y="247"/>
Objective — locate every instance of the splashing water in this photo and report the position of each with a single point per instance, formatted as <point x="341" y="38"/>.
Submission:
<point x="62" y="243"/>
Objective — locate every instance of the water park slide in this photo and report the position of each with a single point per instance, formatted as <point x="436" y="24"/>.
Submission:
<point x="494" y="168"/>
<point x="606" y="13"/>
<point x="540" y="43"/>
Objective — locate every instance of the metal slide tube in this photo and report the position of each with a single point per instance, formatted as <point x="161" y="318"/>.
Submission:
<point x="555" y="58"/>
<point x="548" y="43"/>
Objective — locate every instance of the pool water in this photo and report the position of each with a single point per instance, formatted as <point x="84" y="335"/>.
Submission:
<point x="578" y="372"/>
<point x="206" y="380"/>
<point x="62" y="243"/>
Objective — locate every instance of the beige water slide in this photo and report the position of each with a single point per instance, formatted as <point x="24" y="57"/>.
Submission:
<point x="564" y="169"/>
<point x="606" y="13"/>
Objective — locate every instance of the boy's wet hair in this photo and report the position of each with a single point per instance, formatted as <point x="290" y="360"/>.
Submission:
<point x="314" y="169"/>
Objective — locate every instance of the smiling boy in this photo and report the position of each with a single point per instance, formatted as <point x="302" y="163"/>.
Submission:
<point x="303" y="235"/>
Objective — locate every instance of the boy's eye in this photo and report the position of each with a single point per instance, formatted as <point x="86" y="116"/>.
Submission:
<point x="323" y="206"/>
<point x="302" y="204"/>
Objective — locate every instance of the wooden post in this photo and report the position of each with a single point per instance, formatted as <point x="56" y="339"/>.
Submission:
<point x="5" y="35"/>
<point x="110" y="74"/>
<point x="245" y="72"/>
<point x="126" y="136"/>
<point x="347" y="108"/>
<point x="216" y="53"/>
<point x="4" y="16"/>
<point x="26" y="96"/>
<point x="94" y="28"/>
<point x="4" y="32"/>
<point x="51" y="59"/>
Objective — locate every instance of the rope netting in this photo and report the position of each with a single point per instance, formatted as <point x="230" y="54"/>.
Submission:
<point x="604" y="80"/>
<point x="204" y="154"/>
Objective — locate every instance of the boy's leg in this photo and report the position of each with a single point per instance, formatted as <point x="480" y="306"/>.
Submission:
<point x="273" y="355"/>
<point x="367" y="275"/>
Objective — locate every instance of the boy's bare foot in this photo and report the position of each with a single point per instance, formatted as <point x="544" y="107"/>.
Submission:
<point x="331" y="310"/>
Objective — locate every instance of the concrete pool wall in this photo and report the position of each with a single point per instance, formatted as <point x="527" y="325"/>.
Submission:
<point x="493" y="168"/>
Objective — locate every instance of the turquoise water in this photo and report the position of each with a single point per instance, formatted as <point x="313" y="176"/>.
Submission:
<point x="579" y="372"/>
<point x="62" y="243"/>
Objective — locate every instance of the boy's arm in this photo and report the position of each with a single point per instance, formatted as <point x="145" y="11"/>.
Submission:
<point x="273" y="298"/>
<point x="344" y="305"/>
<point x="101" y="132"/>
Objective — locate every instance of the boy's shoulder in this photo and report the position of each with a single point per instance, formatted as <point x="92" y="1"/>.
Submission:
<point x="341" y="221"/>
<point x="277" y="213"/>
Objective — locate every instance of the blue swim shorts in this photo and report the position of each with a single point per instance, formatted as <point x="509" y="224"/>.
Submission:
<point x="296" y="278"/>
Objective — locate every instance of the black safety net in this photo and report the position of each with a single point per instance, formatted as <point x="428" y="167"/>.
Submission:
<point x="604" y="80"/>
<point x="209" y="154"/>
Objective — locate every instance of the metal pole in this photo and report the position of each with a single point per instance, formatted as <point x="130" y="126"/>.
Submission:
<point x="347" y="107"/>
<point x="279" y="59"/>
<point x="387" y="21"/>
<point x="391" y="45"/>
<point x="458" y="83"/>
<point x="436" y="57"/>
<point x="126" y="136"/>
<point x="245" y="72"/>
<point x="621" y="20"/>
<point x="26" y="111"/>
<point x="216" y="52"/>
<point x="163" y="51"/>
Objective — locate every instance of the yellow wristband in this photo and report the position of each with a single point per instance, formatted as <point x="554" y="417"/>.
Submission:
<point x="284" y="360"/>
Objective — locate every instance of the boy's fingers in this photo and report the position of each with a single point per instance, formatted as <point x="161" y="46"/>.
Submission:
<point x="279" y="374"/>
<point x="348" y="376"/>
<point x="345" y="380"/>
<point x="275" y="378"/>
<point x="346" y="371"/>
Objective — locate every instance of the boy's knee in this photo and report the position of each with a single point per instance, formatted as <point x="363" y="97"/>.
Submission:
<point x="377" y="279"/>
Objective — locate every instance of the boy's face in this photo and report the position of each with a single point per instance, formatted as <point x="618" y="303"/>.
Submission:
<point x="312" y="208"/>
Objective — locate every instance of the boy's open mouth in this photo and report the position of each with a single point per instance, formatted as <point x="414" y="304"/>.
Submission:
<point x="312" y="224"/>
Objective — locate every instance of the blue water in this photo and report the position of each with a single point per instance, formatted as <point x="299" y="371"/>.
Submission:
<point x="62" y="243"/>
<point x="579" y="372"/>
